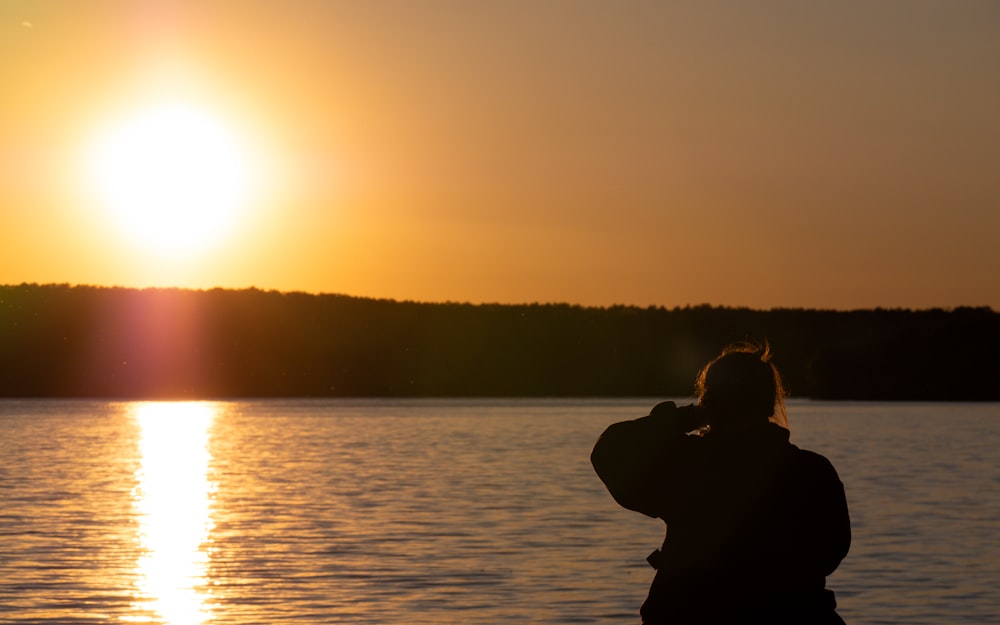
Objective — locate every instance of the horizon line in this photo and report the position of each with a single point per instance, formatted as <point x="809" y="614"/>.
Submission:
<point x="386" y="299"/>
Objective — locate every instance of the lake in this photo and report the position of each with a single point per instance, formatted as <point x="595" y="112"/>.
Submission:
<point x="440" y="511"/>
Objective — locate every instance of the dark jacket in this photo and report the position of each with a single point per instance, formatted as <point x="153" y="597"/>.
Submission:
<point x="754" y="524"/>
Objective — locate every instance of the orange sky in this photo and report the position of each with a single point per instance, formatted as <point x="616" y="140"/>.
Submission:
<point x="834" y="155"/>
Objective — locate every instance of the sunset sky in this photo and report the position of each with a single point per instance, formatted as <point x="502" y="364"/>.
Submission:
<point x="764" y="154"/>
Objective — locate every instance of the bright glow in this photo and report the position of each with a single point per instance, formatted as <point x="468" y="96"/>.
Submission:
<point x="174" y="176"/>
<point x="172" y="502"/>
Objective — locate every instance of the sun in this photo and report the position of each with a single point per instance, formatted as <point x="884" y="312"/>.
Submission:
<point x="173" y="175"/>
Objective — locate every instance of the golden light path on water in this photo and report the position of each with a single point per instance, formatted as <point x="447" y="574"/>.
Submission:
<point x="172" y="503"/>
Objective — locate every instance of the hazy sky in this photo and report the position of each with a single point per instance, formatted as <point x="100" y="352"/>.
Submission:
<point x="807" y="154"/>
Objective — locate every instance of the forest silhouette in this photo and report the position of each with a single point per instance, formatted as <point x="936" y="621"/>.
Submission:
<point x="85" y="341"/>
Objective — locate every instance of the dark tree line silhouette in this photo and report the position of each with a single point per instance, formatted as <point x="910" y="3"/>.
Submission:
<point x="82" y="341"/>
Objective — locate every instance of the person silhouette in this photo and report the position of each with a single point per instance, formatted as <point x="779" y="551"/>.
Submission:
<point x="754" y="524"/>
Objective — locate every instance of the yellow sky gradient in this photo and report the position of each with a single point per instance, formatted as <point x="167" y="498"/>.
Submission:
<point x="766" y="154"/>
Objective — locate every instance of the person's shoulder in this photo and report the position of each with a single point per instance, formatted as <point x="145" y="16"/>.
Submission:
<point x="813" y="462"/>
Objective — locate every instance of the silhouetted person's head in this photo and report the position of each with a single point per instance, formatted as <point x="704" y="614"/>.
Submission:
<point x="741" y="387"/>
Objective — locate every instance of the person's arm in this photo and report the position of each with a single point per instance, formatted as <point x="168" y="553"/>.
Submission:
<point x="627" y="453"/>
<point x="840" y="523"/>
<point x="825" y="530"/>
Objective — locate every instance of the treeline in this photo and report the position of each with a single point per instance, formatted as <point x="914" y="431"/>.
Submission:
<point x="66" y="341"/>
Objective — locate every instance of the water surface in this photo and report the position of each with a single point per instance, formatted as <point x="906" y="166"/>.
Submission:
<point x="439" y="511"/>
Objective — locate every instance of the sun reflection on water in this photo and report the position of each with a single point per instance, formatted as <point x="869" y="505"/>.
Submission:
<point x="172" y="502"/>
